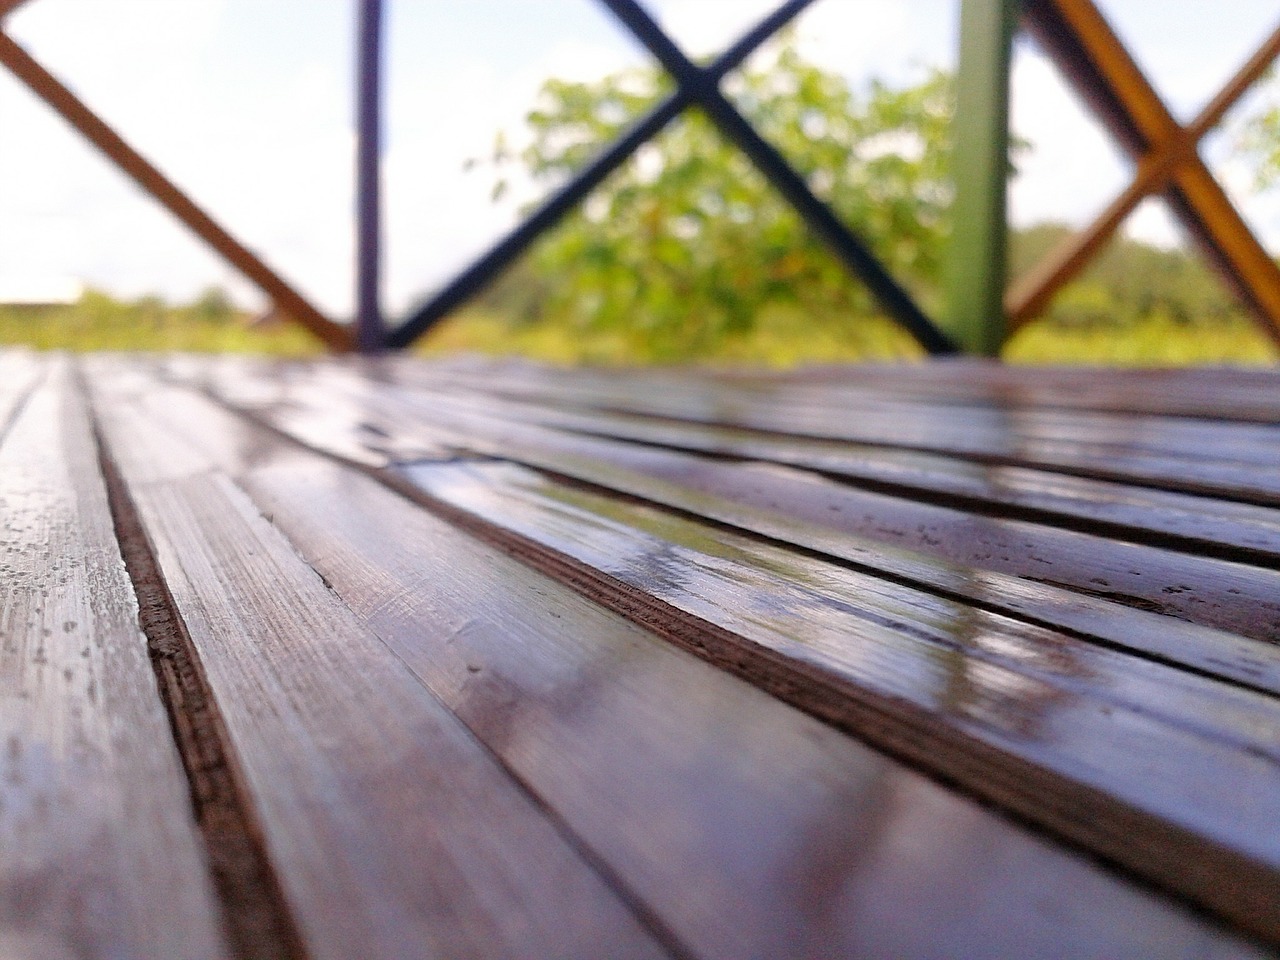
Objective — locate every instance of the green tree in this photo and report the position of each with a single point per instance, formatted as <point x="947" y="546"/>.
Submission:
<point x="687" y="248"/>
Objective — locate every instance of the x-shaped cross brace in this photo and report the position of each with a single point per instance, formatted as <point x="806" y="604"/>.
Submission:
<point x="700" y="85"/>
<point x="705" y="91"/>
<point x="1089" y="54"/>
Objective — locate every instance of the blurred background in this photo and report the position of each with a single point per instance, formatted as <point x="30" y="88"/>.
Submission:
<point x="685" y="254"/>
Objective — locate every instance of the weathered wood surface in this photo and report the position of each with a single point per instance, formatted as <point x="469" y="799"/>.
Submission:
<point x="401" y="413"/>
<point x="472" y="659"/>
<point x="665" y="767"/>
<point x="99" y="851"/>
<point x="392" y="830"/>
<point x="389" y="426"/>
<point x="1228" y="459"/>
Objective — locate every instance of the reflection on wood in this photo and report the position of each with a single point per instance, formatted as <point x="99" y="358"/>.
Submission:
<point x="503" y="661"/>
<point x="99" y="853"/>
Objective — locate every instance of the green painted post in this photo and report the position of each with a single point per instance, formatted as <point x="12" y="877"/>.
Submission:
<point x="976" y="271"/>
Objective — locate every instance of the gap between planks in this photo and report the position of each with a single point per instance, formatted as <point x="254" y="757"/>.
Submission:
<point x="284" y="507"/>
<point x="554" y="564"/>
<point x="392" y="828"/>
<point x="257" y="918"/>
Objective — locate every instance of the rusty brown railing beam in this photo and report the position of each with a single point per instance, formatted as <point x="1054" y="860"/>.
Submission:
<point x="1093" y="59"/>
<point x="1031" y="293"/>
<point x="285" y="298"/>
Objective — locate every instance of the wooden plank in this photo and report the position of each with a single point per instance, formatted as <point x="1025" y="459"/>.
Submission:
<point x="1225" y="529"/>
<point x="394" y="833"/>
<point x="1152" y="450"/>
<point x="711" y="800"/>
<point x="817" y="410"/>
<point x="1011" y="713"/>
<point x="1215" y="393"/>
<point x="848" y="522"/>
<point x="99" y="852"/>
<point x="763" y="601"/>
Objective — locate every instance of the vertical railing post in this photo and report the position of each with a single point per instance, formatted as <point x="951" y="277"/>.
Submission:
<point x="980" y="163"/>
<point x="369" y="330"/>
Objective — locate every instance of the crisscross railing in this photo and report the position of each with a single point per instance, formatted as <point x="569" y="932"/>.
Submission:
<point x="700" y="86"/>
<point x="1073" y="32"/>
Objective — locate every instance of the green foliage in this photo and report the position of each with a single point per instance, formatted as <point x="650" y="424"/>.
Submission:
<point x="686" y="249"/>
<point x="100" y="322"/>
<point x="687" y="254"/>
<point x="1153" y="340"/>
<point x="1136" y="304"/>
<point x="1259" y="138"/>
<point x="1129" y="281"/>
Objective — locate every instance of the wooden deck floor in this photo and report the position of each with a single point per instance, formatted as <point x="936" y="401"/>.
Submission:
<point x="486" y="660"/>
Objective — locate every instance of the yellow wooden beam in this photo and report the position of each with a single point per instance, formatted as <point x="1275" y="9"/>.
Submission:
<point x="56" y="95"/>
<point x="1030" y="294"/>
<point x="1210" y="212"/>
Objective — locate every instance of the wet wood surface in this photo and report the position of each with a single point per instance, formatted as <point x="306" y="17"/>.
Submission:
<point x="496" y="660"/>
<point x="392" y="831"/>
<point x="99" y="850"/>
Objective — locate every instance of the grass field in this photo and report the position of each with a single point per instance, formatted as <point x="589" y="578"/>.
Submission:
<point x="789" y="342"/>
<point x="780" y="338"/>
<point x="100" y="322"/>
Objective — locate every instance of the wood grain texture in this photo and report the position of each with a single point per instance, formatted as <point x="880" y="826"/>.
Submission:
<point x="1070" y="579"/>
<point x="751" y="829"/>
<point x="1216" y="394"/>
<point x="1209" y="393"/>
<point x="99" y="854"/>
<point x="1040" y="723"/>
<point x="1194" y="524"/>
<point x="1021" y="687"/>
<point x="1221" y="459"/>
<point x="393" y="831"/>
<point x="961" y="677"/>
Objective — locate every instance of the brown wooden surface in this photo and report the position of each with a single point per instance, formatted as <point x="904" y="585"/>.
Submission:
<point x="1216" y="394"/>
<point x="390" y="425"/>
<point x="483" y="659"/>
<point x="1235" y="461"/>
<point x="393" y="832"/>
<point x="1125" y="511"/>
<point x="99" y="853"/>
<point x="608" y="724"/>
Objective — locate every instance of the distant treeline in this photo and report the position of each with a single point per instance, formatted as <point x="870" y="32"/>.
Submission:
<point x="99" y="321"/>
<point x="1136" y="303"/>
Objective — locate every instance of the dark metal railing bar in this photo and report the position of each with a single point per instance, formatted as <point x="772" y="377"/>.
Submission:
<point x="475" y="277"/>
<point x="705" y="91"/>
<point x="369" y="329"/>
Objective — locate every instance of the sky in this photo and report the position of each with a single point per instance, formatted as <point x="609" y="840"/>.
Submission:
<point x="247" y="105"/>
